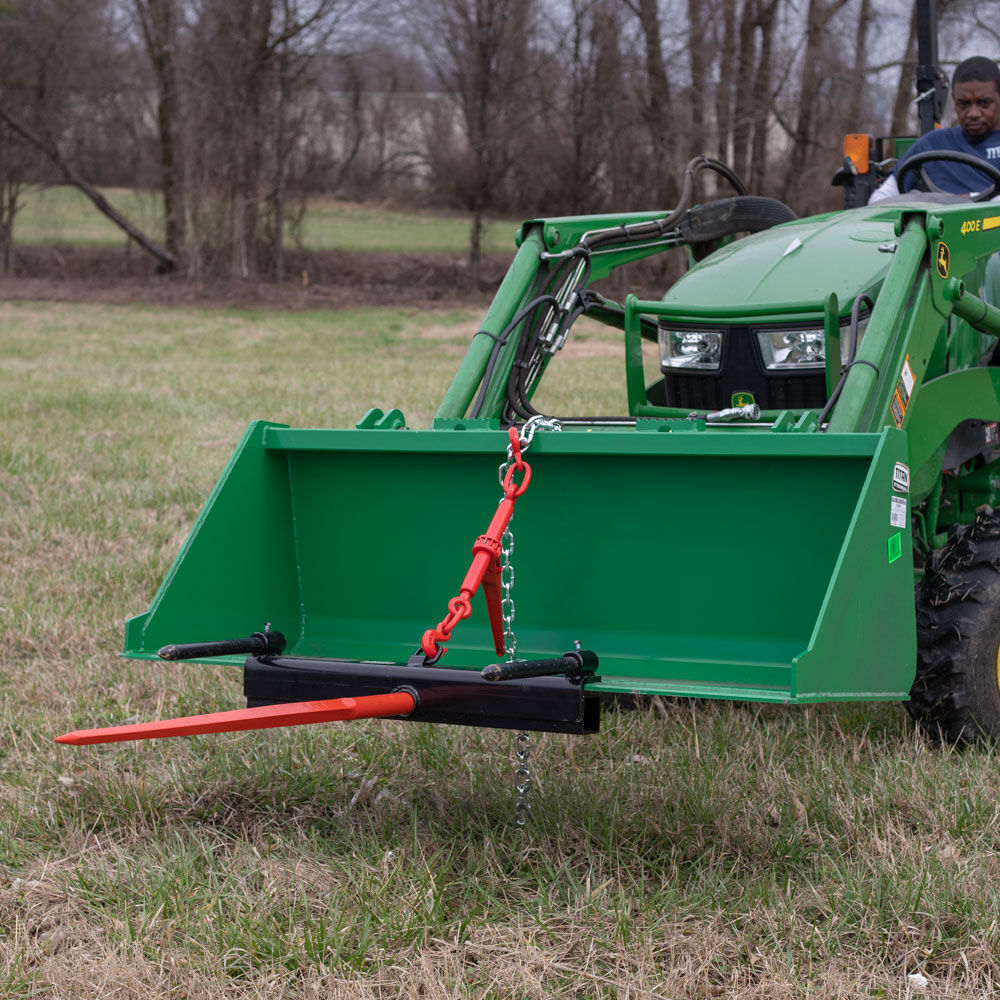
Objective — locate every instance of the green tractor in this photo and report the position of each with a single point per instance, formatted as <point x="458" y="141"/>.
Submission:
<point x="819" y="436"/>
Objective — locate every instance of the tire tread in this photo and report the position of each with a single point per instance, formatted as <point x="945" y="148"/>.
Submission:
<point x="958" y="596"/>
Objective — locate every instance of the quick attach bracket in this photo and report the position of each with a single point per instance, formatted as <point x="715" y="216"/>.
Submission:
<point x="554" y="701"/>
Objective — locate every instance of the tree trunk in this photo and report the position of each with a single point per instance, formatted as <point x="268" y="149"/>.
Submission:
<point x="157" y="20"/>
<point x="818" y="19"/>
<point x="657" y="110"/>
<point x="743" y="107"/>
<point x="759" y="174"/>
<point x="281" y="159"/>
<point x="858" y="85"/>
<point x="904" y="89"/>
<point x="724" y="95"/>
<point x="698" y="141"/>
<point x="8" y="209"/>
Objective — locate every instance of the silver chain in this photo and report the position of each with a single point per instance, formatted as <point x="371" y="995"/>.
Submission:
<point x="522" y="741"/>
<point x="522" y="778"/>
<point x="507" y="597"/>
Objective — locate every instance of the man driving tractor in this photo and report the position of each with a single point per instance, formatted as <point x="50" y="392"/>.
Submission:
<point x="975" y="91"/>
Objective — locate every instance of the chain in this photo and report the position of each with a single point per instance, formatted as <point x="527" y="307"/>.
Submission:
<point x="522" y="778"/>
<point x="522" y="741"/>
<point x="506" y="588"/>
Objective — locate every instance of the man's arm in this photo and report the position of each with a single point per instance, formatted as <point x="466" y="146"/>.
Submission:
<point x="886" y="189"/>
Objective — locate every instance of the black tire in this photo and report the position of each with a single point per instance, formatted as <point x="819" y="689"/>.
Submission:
<point x="956" y="694"/>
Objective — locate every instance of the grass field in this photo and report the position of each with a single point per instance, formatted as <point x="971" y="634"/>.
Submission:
<point x="691" y="850"/>
<point x="62" y="215"/>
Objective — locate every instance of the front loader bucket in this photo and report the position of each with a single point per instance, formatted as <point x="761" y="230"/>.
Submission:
<point x="731" y="563"/>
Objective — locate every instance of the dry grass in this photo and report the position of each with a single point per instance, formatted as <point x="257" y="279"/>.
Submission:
<point x="691" y="850"/>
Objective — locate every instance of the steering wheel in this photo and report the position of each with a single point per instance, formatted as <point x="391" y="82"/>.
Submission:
<point x="917" y="161"/>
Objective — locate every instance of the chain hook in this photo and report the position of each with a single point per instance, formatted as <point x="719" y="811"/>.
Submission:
<point x="519" y="442"/>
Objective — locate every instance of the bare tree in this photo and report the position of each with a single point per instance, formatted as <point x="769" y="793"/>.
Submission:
<point x="245" y="60"/>
<point x="656" y="103"/>
<point x="858" y="84"/>
<point x="699" y="47"/>
<point x="815" y="61"/>
<point x="904" y="88"/>
<point x="725" y="91"/>
<point x="65" y="57"/>
<point x="17" y="158"/>
<point x="481" y="53"/>
<point x="761" y="99"/>
<point x="158" y="23"/>
<point x="15" y="167"/>
<point x="584" y="121"/>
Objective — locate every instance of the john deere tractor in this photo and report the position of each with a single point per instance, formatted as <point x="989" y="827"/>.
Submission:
<point x="820" y="438"/>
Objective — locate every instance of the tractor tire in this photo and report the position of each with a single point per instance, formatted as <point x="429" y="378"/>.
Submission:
<point x="956" y="693"/>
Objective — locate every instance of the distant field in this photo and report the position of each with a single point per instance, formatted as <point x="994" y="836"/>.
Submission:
<point x="64" y="215"/>
<point x="690" y="850"/>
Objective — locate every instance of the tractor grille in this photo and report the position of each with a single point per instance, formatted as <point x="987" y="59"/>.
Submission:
<point x="743" y="371"/>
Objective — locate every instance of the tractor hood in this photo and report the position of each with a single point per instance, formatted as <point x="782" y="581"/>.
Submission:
<point x="841" y="252"/>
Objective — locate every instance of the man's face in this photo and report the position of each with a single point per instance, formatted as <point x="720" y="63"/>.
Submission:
<point x="977" y="105"/>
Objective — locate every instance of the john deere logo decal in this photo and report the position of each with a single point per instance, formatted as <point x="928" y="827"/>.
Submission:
<point x="741" y="399"/>
<point x="943" y="259"/>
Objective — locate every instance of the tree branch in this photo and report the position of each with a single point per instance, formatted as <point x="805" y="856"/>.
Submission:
<point x="166" y="260"/>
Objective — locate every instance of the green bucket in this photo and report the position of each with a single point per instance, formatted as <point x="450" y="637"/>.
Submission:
<point x="730" y="563"/>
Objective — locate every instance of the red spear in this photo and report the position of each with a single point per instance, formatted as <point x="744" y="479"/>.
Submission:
<point x="297" y="713"/>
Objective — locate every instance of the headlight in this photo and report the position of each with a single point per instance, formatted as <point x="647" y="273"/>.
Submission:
<point x="691" y="348"/>
<point x="792" y="349"/>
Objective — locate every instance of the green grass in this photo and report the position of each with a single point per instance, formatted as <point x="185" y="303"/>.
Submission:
<point x="332" y="225"/>
<point x="690" y="850"/>
<point x="62" y="215"/>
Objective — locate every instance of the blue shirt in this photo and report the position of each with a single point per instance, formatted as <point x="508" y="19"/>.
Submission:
<point x="955" y="178"/>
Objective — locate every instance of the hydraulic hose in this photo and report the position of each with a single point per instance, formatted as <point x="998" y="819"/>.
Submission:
<point x="529" y="358"/>
<point x="501" y="341"/>
<point x="852" y="347"/>
<point x="644" y="230"/>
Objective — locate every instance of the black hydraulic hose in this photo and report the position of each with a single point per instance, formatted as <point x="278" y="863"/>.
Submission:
<point x="526" y="367"/>
<point x="645" y="230"/>
<point x="517" y="388"/>
<point x="852" y="344"/>
<point x="527" y="362"/>
<point x="852" y="347"/>
<point x="578" y="252"/>
<point x="720" y="168"/>
<point x="528" y="345"/>
<point x="527" y="359"/>
<point x="501" y="339"/>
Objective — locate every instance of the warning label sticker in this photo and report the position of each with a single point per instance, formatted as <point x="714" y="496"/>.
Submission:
<point x="897" y="410"/>
<point x="904" y="389"/>
<point x="906" y="376"/>
<point x="897" y="512"/>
